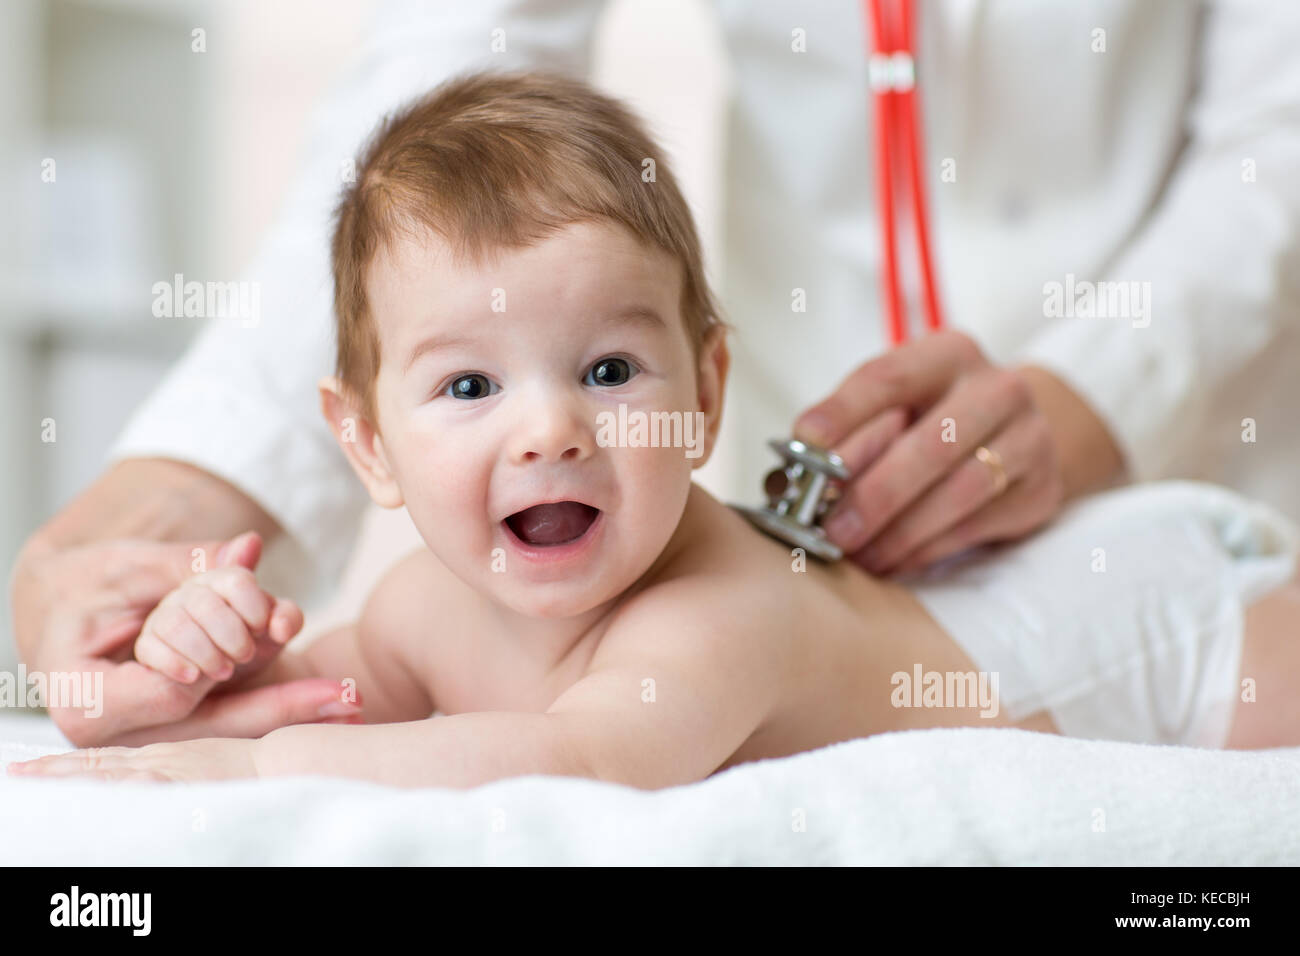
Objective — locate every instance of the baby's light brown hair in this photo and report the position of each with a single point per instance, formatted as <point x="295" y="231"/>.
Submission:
<point x="495" y="159"/>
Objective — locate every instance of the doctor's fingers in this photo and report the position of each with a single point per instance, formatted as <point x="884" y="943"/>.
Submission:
<point x="978" y="407"/>
<point x="254" y="713"/>
<point x="1021" y="454"/>
<point x="1025" y="507"/>
<point x="913" y="375"/>
<point x="868" y="441"/>
<point x="136" y="696"/>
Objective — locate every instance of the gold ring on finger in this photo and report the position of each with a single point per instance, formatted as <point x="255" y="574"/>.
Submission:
<point x="991" y="458"/>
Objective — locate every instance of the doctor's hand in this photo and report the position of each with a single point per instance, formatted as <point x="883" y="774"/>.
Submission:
<point x="78" y="611"/>
<point x="947" y="451"/>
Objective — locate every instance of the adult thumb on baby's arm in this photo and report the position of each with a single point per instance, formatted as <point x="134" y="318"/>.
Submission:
<point x="253" y="713"/>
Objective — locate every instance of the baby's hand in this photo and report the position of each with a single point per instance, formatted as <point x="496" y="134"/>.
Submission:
<point x="213" y="622"/>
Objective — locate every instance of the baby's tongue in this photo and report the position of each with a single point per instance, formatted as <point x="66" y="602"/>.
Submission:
<point x="552" y="524"/>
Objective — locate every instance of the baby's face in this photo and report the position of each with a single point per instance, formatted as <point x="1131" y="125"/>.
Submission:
<point x="492" y="378"/>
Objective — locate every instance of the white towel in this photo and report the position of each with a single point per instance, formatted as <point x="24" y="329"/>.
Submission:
<point x="968" y="796"/>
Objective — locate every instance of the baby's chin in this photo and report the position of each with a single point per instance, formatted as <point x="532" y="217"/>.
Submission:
<point x="554" y="596"/>
<point x="546" y="601"/>
<point x="531" y="593"/>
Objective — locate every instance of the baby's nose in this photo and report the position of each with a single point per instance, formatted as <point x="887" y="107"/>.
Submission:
<point x="553" y="430"/>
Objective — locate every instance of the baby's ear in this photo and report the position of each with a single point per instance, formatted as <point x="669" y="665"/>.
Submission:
<point x="715" y="362"/>
<point x="360" y="441"/>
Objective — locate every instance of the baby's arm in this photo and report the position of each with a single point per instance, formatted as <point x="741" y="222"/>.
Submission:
<point x="679" y="682"/>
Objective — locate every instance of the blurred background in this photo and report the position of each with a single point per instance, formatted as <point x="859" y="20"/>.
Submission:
<point x="170" y="161"/>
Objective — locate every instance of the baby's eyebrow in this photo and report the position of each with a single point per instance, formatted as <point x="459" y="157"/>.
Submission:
<point x="641" y="314"/>
<point x="436" y="342"/>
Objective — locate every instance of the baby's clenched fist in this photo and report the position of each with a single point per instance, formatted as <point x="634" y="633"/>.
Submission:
<point x="212" y="623"/>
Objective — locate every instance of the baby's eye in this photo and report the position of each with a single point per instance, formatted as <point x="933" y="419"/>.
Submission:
<point x="470" y="386"/>
<point x="610" y="372"/>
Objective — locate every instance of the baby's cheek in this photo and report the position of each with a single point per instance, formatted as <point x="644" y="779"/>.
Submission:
<point x="446" y="500"/>
<point x="653" y="485"/>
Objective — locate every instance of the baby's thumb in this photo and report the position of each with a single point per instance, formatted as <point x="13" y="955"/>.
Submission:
<point x="243" y="549"/>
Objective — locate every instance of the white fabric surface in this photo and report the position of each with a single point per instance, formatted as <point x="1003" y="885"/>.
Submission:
<point x="1125" y="165"/>
<point x="920" y="797"/>
<point x="1147" y="650"/>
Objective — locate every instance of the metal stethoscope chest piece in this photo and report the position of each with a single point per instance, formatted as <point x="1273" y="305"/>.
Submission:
<point x="799" y="493"/>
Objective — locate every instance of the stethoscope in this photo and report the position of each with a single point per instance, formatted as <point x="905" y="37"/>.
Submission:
<point x="802" y="490"/>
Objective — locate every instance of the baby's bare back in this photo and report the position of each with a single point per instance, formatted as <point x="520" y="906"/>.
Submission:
<point x="849" y="635"/>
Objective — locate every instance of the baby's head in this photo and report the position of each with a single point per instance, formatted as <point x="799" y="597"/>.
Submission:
<point x="512" y="264"/>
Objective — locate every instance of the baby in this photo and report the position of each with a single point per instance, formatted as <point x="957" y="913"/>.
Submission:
<point x="514" y="266"/>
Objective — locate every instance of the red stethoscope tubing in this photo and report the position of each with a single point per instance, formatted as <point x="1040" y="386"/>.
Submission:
<point x="898" y="130"/>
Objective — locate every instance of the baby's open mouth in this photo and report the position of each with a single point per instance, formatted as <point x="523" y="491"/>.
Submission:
<point x="550" y="524"/>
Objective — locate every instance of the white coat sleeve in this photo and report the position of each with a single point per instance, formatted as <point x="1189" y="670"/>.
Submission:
<point x="1221" y="250"/>
<point x="242" y="402"/>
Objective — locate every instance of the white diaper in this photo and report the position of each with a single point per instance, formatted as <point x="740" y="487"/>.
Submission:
<point x="1146" y="650"/>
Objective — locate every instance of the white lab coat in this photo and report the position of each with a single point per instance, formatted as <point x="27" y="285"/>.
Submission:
<point x="1172" y="158"/>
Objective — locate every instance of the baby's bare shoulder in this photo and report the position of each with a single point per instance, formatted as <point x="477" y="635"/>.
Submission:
<point x="728" y="596"/>
<point x="408" y="590"/>
<point x="408" y="615"/>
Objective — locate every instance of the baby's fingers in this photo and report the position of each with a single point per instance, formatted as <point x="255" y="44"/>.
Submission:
<point x="227" y="631"/>
<point x="154" y="654"/>
<point x="239" y="589"/>
<point x="286" y="621"/>
<point x="172" y="627"/>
